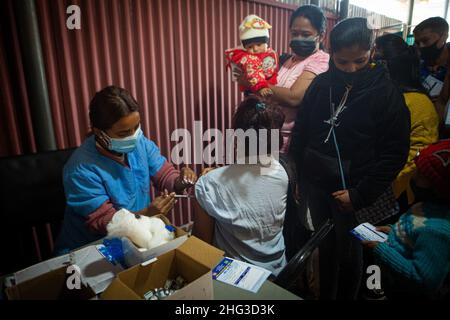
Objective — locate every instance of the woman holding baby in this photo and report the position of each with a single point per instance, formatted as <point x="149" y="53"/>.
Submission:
<point x="307" y="32"/>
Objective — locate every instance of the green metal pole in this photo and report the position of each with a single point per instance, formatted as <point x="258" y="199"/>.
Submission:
<point x="446" y="9"/>
<point x="33" y="61"/>
<point x="343" y="9"/>
<point x="410" y="16"/>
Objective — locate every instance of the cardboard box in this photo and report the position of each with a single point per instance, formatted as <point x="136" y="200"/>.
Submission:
<point x="49" y="286"/>
<point x="95" y="270"/>
<point x="193" y="260"/>
<point x="133" y="256"/>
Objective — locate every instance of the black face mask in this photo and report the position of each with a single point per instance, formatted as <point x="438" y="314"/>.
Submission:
<point x="431" y="53"/>
<point x="303" y="47"/>
<point x="348" y="77"/>
<point x="422" y="194"/>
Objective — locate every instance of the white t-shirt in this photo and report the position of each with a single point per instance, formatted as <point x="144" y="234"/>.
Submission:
<point x="248" y="206"/>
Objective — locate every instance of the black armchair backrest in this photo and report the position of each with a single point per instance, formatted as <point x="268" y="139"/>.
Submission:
<point x="32" y="188"/>
<point x="32" y="205"/>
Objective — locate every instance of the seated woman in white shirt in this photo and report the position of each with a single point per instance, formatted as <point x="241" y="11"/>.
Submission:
<point x="241" y="207"/>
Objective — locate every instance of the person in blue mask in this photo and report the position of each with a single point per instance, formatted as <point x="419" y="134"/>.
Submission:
<point x="113" y="169"/>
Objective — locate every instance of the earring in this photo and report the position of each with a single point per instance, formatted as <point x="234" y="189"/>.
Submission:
<point x="104" y="139"/>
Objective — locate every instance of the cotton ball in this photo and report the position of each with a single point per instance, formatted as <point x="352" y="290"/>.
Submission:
<point x="161" y="237"/>
<point x="141" y="236"/>
<point x="121" y="224"/>
<point x="125" y="224"/>
<point x="146" y="223"/>
<point x="156" y="225"/>
<point x="145" y="232"/>
<point x="160" y="233"/>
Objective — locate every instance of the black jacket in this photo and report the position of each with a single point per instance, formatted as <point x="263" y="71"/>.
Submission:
<point x="373" y="135"/>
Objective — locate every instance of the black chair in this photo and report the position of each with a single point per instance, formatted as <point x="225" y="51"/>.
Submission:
<point x="293" y="270"/>
<point x="32" y="205"/>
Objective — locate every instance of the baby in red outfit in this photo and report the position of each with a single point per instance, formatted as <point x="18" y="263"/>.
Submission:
<point x="257" y="62"/>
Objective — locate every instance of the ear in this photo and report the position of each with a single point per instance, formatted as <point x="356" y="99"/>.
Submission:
<point x="322" y="37"/>
<point x="100" y="137"/>
<point x="372" y="53"/>
<point x="444" y="38"/>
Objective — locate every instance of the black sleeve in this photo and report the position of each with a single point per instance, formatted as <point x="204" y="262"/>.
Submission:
<point x="299" y="134"/>
<point x="392" y="147"/>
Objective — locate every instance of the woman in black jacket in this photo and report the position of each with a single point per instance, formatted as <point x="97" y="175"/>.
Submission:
<point x="350" y="140"/>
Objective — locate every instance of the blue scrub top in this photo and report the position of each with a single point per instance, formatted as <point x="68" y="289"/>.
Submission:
<point x="91" y="179"/>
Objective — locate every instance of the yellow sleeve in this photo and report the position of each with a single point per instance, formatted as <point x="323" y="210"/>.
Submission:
<point x="424" y="131"/>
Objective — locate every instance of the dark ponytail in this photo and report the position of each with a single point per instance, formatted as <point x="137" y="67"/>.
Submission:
<point x="403" y="62"/>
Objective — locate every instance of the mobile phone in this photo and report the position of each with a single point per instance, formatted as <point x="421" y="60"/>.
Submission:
<point x="368" y="232"/>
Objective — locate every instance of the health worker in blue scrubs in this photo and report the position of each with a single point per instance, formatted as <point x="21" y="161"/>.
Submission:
<point x="113" y="169"/>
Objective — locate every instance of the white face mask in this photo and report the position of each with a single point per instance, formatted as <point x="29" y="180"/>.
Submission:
<point x="124" y="145"/>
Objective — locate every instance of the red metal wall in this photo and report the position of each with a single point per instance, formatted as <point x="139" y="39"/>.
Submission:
<point x="168" y="53"/>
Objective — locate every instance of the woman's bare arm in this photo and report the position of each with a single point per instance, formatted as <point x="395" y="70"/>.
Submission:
<point x="293" y="96"/>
